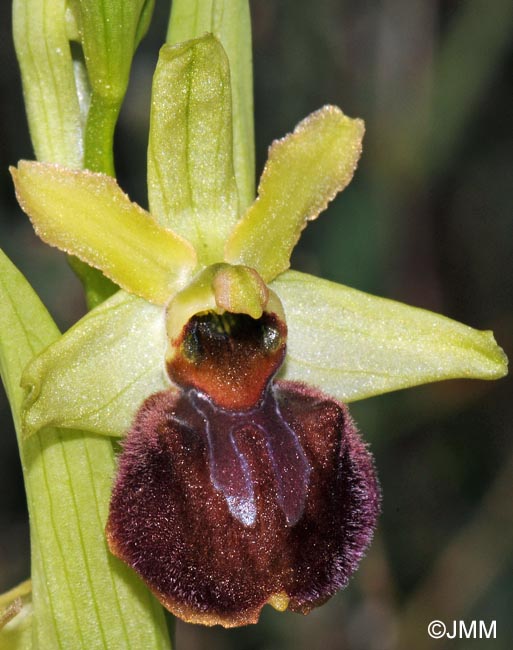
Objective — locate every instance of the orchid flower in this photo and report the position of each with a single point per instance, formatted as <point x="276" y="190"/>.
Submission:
<point x="242" y="480"/>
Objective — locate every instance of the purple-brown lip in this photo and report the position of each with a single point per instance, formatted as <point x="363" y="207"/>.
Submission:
<point x="221" y="510"/>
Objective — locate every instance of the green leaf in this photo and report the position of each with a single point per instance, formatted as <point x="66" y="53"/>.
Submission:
<point x="191" y="183"/>
<point x="230" y="22"/>
<point x="82" y="597"/>
<point x="99" y="134"/>
<point x="98" y="374"/>
<point x="88" y="215"/>
<point x="51" y="101"/>
<point x="353" y="345"/>
<point x="109" y="32"/>
<point x="305" y="170"/>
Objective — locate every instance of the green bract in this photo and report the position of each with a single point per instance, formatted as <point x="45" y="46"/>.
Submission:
<point x="49" y="85"/>
<point x="81" y="597"/>
<point x="207" y="254"/>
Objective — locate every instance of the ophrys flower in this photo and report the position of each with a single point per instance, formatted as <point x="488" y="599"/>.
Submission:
<point x="237" y="485"/>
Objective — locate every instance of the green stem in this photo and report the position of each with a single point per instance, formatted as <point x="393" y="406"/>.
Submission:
<point x="99" y="134"/>
<point x="98" y="157"/>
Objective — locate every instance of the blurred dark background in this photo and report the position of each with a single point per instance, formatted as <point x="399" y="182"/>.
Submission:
<point x="427" y="220"/>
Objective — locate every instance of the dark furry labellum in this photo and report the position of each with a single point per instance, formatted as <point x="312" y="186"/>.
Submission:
<point x="223" y="509"/>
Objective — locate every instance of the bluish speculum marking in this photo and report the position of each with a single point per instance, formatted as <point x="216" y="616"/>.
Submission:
<point x="226" y="366"/>
<point x="229" y="469"/>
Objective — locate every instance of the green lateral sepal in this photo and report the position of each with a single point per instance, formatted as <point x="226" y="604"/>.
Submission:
<point x="353" y="345"/>
<point x="97" y="375"/>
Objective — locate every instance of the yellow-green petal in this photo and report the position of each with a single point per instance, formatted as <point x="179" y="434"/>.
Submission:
<point x="97" y="375"/>
<point x="353" y="345"/>
<point x="230" y="22"/>
<point x="191" y="182"/>
<point x="305" y="170"/>
<point x="88" y="215"/>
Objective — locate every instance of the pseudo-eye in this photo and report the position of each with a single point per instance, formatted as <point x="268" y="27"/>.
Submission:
<point x="238" y="489"/>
